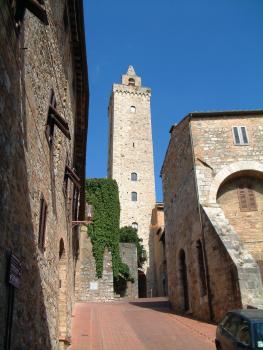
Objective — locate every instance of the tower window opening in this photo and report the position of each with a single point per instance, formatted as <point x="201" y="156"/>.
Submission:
<point x="134" y="176"/>
<point x="131" y="82"/>
<point x="135" y="226"/>
<point x="134" y="196"/>
<point x="133" y="109"/>
<point x="133" y="144"/>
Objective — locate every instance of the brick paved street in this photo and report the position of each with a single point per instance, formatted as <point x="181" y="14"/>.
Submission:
<point x="145" y="324"/>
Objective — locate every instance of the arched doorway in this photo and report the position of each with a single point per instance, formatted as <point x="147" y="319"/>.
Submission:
<point x="142" y="284"/>
<point x="62" y="297"/>
<point x="183" y="281"/>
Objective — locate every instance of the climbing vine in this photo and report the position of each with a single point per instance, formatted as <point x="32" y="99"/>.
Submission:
<point x="104" y="231"/>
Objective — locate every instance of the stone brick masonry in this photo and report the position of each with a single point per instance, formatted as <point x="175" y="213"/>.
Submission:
<point x="31" y="64"/>
<point x="214" y="249"/>
<point x="131" y="151"/>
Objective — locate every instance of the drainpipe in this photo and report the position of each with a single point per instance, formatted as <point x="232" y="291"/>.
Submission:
<point x="209" y="294"/>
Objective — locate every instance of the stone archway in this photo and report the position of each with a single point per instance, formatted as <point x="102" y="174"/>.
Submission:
<point x="62" y="297"/>
<point x="227" y="171"/>
<point x="184" y="293"/>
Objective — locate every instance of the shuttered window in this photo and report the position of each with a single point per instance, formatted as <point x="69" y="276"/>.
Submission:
<point x="240" y="135"/>
<point x="36" y="7"/>
<point x="42" y="223"/>
<point x="54" y="118"/>
<point x="246" y="196"/>
<point x="71" y="174"/>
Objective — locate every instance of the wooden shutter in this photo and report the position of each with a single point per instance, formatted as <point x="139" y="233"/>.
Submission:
<point x="242" y="198"/>
<point x="42" y="223"/>
<point x="36" y="7"/>
<point x="246" y="196"/>
<point x="71" y="174"/>
<point x="251" y="198"/>
<point x="60" y="122"/>
<point x="54" y="118"/>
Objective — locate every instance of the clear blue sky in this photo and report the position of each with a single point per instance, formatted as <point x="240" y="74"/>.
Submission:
<point x="195" y="55"/>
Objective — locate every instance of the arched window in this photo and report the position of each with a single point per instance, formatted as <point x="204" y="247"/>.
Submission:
<point x="135" y="226"/>
<point x="134" y="196"/>
<point x="133" y="176"/>
<point x="133" y="109"/>
<point x="201" y="265"/>
<point x="131" y="81"/>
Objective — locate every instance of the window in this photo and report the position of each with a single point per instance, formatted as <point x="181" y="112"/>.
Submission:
<point x="240" y="135"/>
<point x="42" y="223"/>
<point x="54" y="118"/>
<point x="246" y="197"/>
<point x="133" y="176"/>
<point x="133" y="109"/>
<point x="135" y="226"/>
<point x="243" y="332"/>
<point x="131" y="82"/>
<point x="232" y="325"/>
<point x="134" y="196"/>
<point x="201" y="265"/>
<point x="19" y="8"/>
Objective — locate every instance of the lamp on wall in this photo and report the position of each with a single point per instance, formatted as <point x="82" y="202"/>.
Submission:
<point x="88" y="216"/>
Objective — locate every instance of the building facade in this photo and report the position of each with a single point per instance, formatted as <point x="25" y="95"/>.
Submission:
<point x="213" y="183"/>
<point x="157" y="263"/>
<point x="130" y="159"/>
<point x="43" y="126"/>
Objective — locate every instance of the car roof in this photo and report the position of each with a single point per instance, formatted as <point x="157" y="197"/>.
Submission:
<point x="251" y="314"/>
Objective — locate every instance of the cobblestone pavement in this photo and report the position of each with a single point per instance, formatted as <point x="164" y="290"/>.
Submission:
<point x="145" y="324"/>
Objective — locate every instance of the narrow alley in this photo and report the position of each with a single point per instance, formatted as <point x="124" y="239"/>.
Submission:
<point x="146" y="324"/>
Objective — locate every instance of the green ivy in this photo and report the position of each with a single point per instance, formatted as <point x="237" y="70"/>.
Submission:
<point x="129" y="235"/>
<point x="104" y="231"/>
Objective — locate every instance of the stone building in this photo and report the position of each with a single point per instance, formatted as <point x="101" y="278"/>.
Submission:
<point x="130" y="159"/>
<point x="157" y="263"/>
<point x="213" y="204"/>
<point x="43" y="126"/>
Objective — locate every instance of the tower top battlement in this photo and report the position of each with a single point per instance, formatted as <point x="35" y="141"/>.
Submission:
<point x="130" y="78"/>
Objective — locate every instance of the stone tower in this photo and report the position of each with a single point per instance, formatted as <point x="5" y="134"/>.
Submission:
<point x="130" y="160"/>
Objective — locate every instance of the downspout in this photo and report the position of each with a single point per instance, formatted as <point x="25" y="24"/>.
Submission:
<point x="209" y="294"/>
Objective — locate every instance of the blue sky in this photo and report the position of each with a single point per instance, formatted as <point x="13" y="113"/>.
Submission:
<point x="195" y="56"/>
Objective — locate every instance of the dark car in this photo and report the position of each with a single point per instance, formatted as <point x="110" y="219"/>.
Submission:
<point x="240" y="329"/>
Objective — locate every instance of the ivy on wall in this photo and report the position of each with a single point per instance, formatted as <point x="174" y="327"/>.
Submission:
<point x="104" y="231"/>
<point x="129" y="235"/>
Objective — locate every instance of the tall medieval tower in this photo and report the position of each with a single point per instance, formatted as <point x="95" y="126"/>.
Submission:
<point x="130" y="159"/>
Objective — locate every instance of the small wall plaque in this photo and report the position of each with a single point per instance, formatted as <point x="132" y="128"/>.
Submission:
<point x="93" y="285"/>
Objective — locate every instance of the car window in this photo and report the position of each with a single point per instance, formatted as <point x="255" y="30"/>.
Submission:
<point x="225" y="319"/>
<point x="258" y="328"/>
<point x="243" y="332"/>
<point x="232" y="324"/>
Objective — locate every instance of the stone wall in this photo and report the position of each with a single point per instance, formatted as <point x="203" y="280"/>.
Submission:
<point x="32" y="64"/>
<point x="182" y="224"/>
<point x="128" y="253"/>
<point x="131" y="151"/>
<point x="248" y="224"/>
<point x="88" y="286"/>
<point x="210" y="268"/>
<point x="157" y="253"/>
